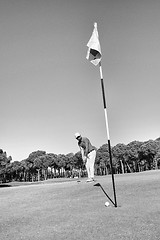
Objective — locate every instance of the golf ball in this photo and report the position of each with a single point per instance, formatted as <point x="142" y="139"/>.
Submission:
<point x="106" y="204"/>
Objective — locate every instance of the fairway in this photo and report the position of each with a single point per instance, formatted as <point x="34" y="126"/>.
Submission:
<point x="71" y="210"/>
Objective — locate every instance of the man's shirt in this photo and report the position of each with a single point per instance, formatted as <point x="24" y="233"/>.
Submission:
<point x="86" y="145"/>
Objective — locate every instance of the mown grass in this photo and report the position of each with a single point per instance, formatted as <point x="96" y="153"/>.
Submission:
<point x="71" y="210"/>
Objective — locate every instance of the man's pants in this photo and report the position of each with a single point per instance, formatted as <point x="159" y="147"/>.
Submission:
<point x="90" y="163"/>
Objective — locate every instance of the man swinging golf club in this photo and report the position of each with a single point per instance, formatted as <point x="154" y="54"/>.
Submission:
<point x="88" y="153"/>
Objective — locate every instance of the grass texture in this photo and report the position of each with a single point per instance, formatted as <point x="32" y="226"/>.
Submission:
<point x="68" y="210"/>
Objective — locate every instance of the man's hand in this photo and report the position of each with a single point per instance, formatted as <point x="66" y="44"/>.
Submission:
<point x="84" y="159"/>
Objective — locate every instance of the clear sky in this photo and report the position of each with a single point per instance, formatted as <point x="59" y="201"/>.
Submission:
<point x="49" y="90"/>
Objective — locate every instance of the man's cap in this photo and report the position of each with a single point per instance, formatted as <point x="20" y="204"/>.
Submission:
<point x="77" y="135"/>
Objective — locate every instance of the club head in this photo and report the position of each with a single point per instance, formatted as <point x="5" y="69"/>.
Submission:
<point x="97" y="185"/>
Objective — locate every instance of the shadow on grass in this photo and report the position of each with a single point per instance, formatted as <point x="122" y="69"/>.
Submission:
<point x="5" y="185"/>
<point x="99" y="185"/>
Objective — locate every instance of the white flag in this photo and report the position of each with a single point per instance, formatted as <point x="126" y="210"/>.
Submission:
<point x="94" y="49"/>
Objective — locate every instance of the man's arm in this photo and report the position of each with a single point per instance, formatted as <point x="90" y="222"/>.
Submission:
<point x="82" y="153"/>
<point x="87" y="147"/>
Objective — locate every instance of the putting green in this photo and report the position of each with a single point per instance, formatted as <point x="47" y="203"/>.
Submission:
<point x="71" y="210"/>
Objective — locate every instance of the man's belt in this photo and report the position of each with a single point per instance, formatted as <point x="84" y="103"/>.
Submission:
<point x="91" y="151"/>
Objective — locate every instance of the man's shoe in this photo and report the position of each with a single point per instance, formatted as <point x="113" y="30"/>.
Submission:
<point x="90" y="180"/>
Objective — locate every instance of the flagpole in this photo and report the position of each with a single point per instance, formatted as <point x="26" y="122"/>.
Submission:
<point x="94" y="56"/>
<point x="107" y="128"/>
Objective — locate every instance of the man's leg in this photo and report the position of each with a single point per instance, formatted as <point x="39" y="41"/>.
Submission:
<point x="92" y="156"/>
<point x="88" y="168"/>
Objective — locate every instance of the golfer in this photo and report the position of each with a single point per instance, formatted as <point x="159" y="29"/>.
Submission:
<point x="88" y="153"/>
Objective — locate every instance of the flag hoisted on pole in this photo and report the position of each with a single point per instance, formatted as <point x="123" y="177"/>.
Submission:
<point x="94" y="56"/>
<point x="94" y="49"/>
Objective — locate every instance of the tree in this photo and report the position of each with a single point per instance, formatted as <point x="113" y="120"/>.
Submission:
<point x="41" y="164"/>
<point x="4" y="161"/>
<point x="157" y="155"/>
<point x="102" y="162"/>
<point x="119" y="153"/>
<point x="31" y="167"/>
<point x="61" y="163"/>
<point x="15" y="169"/>
<point x="132" y="155"/>
<point x="147" y="152"/>
<point x="78" y="165"/>
<point x="69" y="164"/>
<point x="52" y="162"/>
<point x="25" y="169"/>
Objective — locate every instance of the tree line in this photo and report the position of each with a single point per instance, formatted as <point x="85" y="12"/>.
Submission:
<point x="134" y="157"/>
